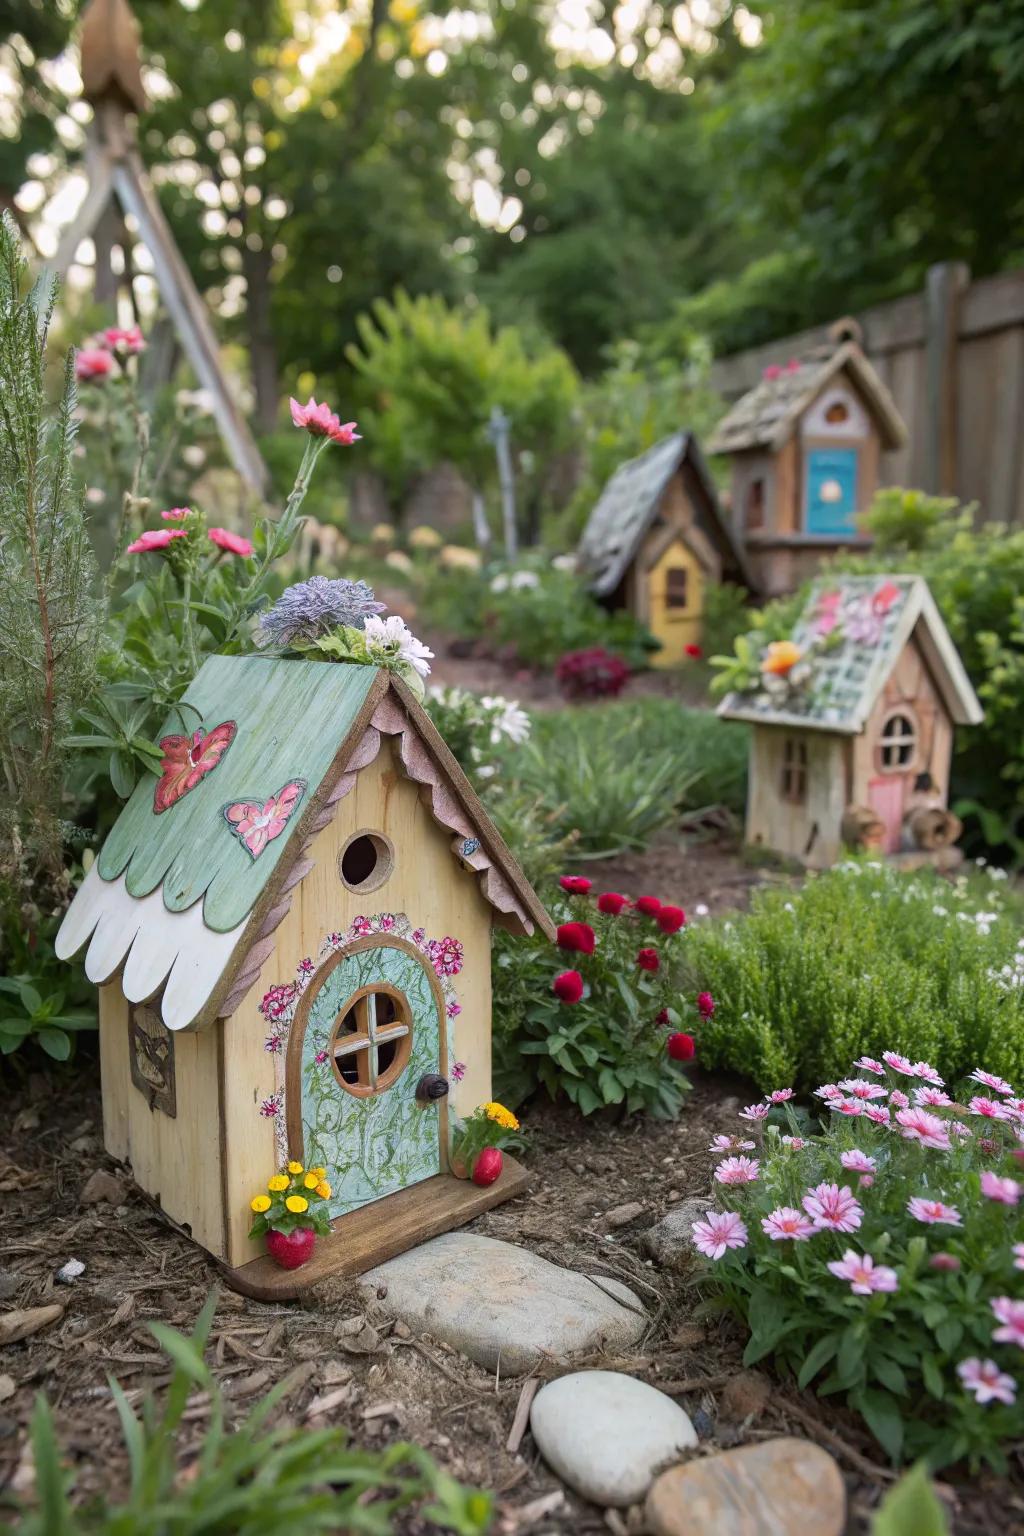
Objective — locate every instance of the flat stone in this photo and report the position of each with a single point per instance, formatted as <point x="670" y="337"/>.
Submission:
<point x="784" y="1487"/>
<point x="606" y="1434"/>
<point x="503" y="1305"/>
<point x="622" y="1215"/>
<point x="103" y="1186"/>
<point x="671" y="1238"/>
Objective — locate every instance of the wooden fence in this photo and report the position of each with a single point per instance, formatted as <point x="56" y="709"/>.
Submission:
<point x="953" y="357"/>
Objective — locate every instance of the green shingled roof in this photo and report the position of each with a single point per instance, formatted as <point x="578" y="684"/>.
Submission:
<point x="291" y="719"/>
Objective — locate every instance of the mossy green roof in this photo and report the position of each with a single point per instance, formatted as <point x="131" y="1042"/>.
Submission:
<point x="291" y="719"/>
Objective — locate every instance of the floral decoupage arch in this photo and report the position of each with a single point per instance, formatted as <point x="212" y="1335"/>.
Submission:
<point x="187" y="760"/>
<point x="279" y="1003"/>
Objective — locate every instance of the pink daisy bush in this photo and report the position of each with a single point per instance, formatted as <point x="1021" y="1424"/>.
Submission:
<point x="879" y="1255"/>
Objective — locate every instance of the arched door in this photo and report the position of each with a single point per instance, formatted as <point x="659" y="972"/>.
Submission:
<point x="369" y="1028"/>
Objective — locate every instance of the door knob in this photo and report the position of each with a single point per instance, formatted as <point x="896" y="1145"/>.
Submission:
<point x="431" y="1087"/>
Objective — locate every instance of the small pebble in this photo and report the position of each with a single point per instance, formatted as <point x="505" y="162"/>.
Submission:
<point x="70" y="1272"/>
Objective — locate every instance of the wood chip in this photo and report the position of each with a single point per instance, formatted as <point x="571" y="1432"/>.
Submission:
<point x="383" y="1411"/>
<point x="7" y="1388"/>
<point x="250" y="1385"/>
<point x="331" y="1400"/>
<point x="522" y="1414"/>
<point x="21" y="1324"/>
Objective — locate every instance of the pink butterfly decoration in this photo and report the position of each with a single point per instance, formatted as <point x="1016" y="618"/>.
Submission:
<point x="256" y="823"/>
<point x="187" y="760"/>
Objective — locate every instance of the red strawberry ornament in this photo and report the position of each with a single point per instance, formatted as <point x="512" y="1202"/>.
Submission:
<point x="291" y="1249"/>
<point x="487" y="1167"/>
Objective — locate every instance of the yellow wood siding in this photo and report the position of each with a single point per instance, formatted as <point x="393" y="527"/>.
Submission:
<point x="675" y="627"/>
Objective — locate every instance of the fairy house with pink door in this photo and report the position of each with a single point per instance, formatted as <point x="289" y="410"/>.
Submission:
<point x="290" y="928"/>
<point x="852" y="725"/>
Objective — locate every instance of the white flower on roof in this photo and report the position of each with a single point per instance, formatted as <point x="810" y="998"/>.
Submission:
<point x="507" y="721"/>
<point x="391" y="640"/>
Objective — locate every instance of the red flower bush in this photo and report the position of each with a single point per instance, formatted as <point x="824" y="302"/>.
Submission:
<point x="650" y="906"/>
<point x="648" y="960"/>
<point x="576" y="885"/>
<point x="568" y="987"/>
<point x="591" y="674"/>
<point x="611" y="903"/>
<point x="681" y="1047"/>
<point x="578" y="937"/>
<point x="670" y="919"/>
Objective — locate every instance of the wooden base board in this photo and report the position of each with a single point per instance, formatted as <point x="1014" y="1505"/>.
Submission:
<point x="928" y="858"/>
<point x="379" y="1231"/>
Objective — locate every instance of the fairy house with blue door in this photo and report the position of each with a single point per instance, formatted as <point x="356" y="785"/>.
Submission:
<point x="852" y="722"/>
<point x="805" y="445"/>
<point x="290" y="928"/>
<point x="655" y="542"/>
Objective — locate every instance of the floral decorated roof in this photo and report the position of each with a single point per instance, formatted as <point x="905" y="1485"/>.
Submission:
<point x="828" y="675"/>
<point x="197" y="872"/>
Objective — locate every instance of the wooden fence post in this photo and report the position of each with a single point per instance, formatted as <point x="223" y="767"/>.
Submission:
<point x="944" y="285"/>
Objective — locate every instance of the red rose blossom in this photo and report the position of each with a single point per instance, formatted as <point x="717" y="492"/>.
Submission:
<point x="670" y="919"/>
<point x="647" y="960"/>
<point x="694" y="651"/>
<point x="650" y="906"/>
<point x="612" y="903"/>
<point x="576" y="885"/>
<point x="568" y="987"/>
<point x="681" y="1047"/>
<point x="705" y="1004"/>
<point x="578" y="937"/>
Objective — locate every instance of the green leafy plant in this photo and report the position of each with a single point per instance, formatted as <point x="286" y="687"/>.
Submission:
<point x="879" y="1258"/>
<point x="255" y="1477"/>
<point x="862" y="957"/>
<point x="612" y="1028"/>
<point x="42" y="1015"/>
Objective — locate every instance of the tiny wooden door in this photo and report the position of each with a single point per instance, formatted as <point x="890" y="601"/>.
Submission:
<point x="372" y="1030"/>
<point x="676" y="603"/>
<point x="830" y="496"/>
<point x="885" y="795"/>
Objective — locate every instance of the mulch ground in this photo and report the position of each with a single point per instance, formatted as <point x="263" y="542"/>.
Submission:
<point x="341" y="1362"/>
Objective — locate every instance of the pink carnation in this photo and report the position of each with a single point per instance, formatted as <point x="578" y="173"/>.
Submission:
<point x="737" y="1170"/>
<point x="852" y="1107"/>
<point x="131" y="340"/>
<point x="232" y="542"/>
<point x="176" y="514"/>
<point x="927" y="1073"/>
<point x="860" y="1088"/>
<point x="879" y="1113"/>
<point x="320" y="421"/>
<point x="919" y="1125"/>
<point x="154" y="539"/>
<point x="833" y="1209"/>
<point x="856" y="1161"/>
<point x="718" y="1231"/>
<point x="864" y="1275"/>
<point x="869" y="1064"/>
<point x="990" y="1080"/>
<point x="754" y="1112"/>
<point x="931" y="1098"/>
<point x="730" y="1144"/>
<point x="1018" y="1255"/>
<point x="92" y="363"/>
<point x="786" y="1224"/>
<point x="1005" y="1191"/>
<point x="988" y="1108"/>
<point x="899" y="1063"/>
<point x="1010" y="1314"/>
<point x="898" y="1099"/>
<point x="934" y="1212"/>
<point x="988" y="1383"/>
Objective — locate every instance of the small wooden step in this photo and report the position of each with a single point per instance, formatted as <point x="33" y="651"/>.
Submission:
<point x="379" y="1231"/>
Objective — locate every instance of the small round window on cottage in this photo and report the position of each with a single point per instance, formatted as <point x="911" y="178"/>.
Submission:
<point x="372" y="1042"/>
<point x="898" y="742"/>
<point x="366" y="861"/>
<point x="837" y="413"/>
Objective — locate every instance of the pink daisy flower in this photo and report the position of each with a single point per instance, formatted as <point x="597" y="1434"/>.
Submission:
<point x="1005" y="1191"/>
<point x="988" y="1383"/>
<point x="934" y="1212"/>
<point x="919" y="1125"/>
<point x="780" y="1095"/>
<point x="737" y="1170"/>
<point x="754" y="1112"/>
<point x="1015" y="1107"/>
<point x="718" y="1231"/>
<point x="730" y="1144"/>
<point x="898" y="1099"/>
<point x="176" y="514"/>
<point x="1018" y="1255"/>
<point x="989" y="1108"/>
<point x="931" y="1098"/>
<point x="899" y="1063"/>
<point x="927" y="1073"/>
<point x="154" y="539"/>
<point x="860" y="1088"/>
<point x="232" y="542"/>
<point x="785" y="1224"/>
<point x="990" y="1080"/>
<point x="1010" y="1314"/>
<point x="869" y="1064"/>
<point x="833" y="1209"/>
<point x="828" y="1091"/>
<point x="864" y="1275"/>
<point x="856" y="1161"/>
<point x="852" y="1107"/>
<point x="879" y="1113"/>
<point x="320" y="421"/>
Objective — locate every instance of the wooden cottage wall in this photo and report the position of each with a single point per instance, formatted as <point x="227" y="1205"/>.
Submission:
<point x="809" y="831"/>
<point x="175" y="1160"/>
<point x="911" y="684"/>
<point x="431" y="887"/>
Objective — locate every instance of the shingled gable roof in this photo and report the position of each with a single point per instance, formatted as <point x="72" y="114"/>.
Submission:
<point x="765" y="416"/>
<point x="176" y="902"/>
<point x="883" y="613"/>
<point x="629" y="503"/>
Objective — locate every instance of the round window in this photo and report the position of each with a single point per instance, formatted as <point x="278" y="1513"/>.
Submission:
<point x="372" y="1042"/>
<point x="366" y="861"/>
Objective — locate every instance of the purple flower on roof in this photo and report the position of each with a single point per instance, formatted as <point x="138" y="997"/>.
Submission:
<point x="313" y="608"/>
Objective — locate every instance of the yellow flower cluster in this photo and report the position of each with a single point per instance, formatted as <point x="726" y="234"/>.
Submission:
<point x="501" y="1116"/>
<point x="315" y="1181"/>
<point x="260" y="1203"/>
<point x="297" y="1204"/>
<point x="277" y="1183"/>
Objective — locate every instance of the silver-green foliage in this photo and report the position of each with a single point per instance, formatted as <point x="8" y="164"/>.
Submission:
<point x="257" y="1479"/>
<point x="863" y="959"/>
<point x="49" y="616"/>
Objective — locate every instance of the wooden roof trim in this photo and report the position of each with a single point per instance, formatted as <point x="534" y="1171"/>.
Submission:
<point x="109" y="48"/>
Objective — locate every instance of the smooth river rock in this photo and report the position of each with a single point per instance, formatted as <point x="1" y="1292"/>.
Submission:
<point x="784" y="1487"/>
<point x="606" y="1434"/>
<point x="504" y="1306"/>
<point x="671" y="1238"/>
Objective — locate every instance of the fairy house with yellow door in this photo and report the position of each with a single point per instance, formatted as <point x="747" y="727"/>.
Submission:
<point x="852" y="725"/>
<point x="291" y="928"/>
<point x="656" y="540"/>
<point x="805" y="446"/>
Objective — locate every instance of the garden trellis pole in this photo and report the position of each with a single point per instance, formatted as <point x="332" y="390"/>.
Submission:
<point x="498" y="432"/>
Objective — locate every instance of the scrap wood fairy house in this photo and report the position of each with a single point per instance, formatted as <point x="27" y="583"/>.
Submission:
<point x="656" y="540"/>
<point x="805" y="444"/>
<point x="291" y="930"/>
<point x="853" y="725"/>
